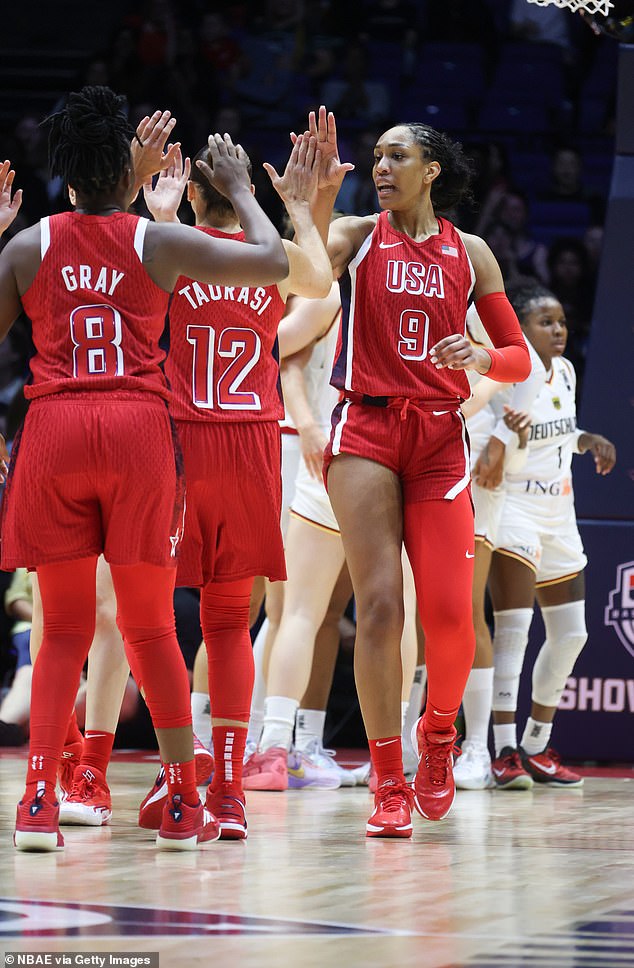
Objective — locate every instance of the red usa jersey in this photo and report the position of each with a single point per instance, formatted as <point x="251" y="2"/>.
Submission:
<point x="223" y="360"/>
<point x="97" y="315"/>
<point x="399" y="297"/>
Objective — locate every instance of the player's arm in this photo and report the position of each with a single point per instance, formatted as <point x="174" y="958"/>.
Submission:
<point x="173" y="250"/>
<point x="602" y="449"/>
<point x="509" y="361"/>
<point x="307" y="320"/>
<point x="309" y="273"/>
<point x="481" y="395"/>
<point x="312" y="438"/>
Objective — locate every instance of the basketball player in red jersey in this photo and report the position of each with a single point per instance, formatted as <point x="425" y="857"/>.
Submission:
<point x="223" y="368"/>
<point x="98" y="439"/>
<point x="397" y="464"/>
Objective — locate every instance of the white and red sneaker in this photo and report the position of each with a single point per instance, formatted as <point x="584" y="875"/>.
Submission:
<point x="37" y="824"/>
<point x="546" y="767"/>
<point x="184" y="827"/>
<point x="70" y="760"/>
<point x="89" y="803"/>
<point x="266" y="771"/>
<point x="392" y="815"/>
<point x="227" y="804"/>
<point x="204" y="762"/>
<point x="508" y="771"/>
<point x="434" y="786"/>
<point x="151" y="809"/>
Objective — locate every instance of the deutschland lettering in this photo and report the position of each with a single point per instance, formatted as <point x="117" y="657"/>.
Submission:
<point x="553" y="428"/>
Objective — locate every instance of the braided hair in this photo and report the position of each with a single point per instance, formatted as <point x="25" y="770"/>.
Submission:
<point x="89" y="140"/>
<point x="522" y="295"/>
<point x="214" y="200"/>
<point x="453" y="184"/>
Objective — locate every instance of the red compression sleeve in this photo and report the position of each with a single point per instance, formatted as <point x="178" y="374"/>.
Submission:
<point x="510" y="361"/>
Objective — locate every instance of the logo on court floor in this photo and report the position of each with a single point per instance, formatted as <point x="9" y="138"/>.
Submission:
<point x="619" y="613"/>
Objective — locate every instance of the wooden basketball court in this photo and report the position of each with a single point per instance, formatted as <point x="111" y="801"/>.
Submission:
<point x="541" y="878"/>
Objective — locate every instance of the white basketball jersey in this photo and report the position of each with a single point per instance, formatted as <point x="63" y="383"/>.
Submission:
<point x="553" y="439"/>
<point x="321" y="396"/>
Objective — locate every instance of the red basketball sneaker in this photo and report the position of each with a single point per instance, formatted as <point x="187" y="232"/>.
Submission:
<point x="547" y="768"/>
<point x="204" y="762"/>
<point x="392" y="815"/>
<point x="434" y="786"/>
<point x="151" y="809"/>
<point x="37" y="824"/>
<point x="508" y="771"/>
<point x="227" y="804"/>
<point x="184" y="827"/>
<point x="88" y="804"/>
<point x="266" y="771"/>
<point x="71" y="758"/>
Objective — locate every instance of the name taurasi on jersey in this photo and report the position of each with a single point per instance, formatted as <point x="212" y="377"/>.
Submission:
<point x="81" y="277"/>
<point x="198" y="295"/>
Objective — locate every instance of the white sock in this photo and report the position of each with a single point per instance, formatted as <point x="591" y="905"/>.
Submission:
<point x="415" y="703"/>
<point x="279" y="720"/>
<point x="536" y="736"/>
<point x="404" y="708"/>
<point x="256" y="718"/>
<point x="309" y="726"/>
<point x="201" y="717"/>
<point x="476" y="705"/>
<point x="504" y="734"/>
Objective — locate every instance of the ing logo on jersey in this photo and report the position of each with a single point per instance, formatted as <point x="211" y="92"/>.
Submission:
<point x="619" y="613"/>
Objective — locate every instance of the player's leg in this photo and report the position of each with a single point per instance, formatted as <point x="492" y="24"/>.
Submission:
<point x="563" y="611"/>
<point x="306" y="598"/>
<point x="146" y="618"/>
<point x="224" y="615"/>
<point x="89" y="801"/>
<point x="512" y="585"/>
<point x="439" y="541"/>
<point x="68" y="604"/>
<point x="367" y="500"/>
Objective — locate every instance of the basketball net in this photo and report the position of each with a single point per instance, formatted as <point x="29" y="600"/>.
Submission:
<point x="590" y="6"/>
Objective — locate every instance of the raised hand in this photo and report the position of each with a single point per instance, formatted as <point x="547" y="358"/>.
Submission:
<point x="301" y="175"/>
<point x="228" y="172"/>
<point x="9" y="207"/>
<point x="519" y="422"/>
<point x="164" y="198"/>
<point x="602" y="449"/>
<point x="147" y="148"/>
<point x="323" y="128"/>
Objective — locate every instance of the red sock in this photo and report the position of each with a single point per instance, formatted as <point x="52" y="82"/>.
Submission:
<point x="229" y="745"/>
<point x="97" y="750"/>
<point x="73" y="733"/>
<point x="387" y="758"/>
<point x="181" y="779"/>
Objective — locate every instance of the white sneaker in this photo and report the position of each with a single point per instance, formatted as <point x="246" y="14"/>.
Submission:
<point x="362" y="773"/>
<point x="472" y="769"/>
<point x="326" y="759"/>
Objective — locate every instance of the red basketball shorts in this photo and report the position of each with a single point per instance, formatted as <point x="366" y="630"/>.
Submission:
<point x="427" y="449"/>
<point x="93" y="474"/>
<point x="233" y="502"/>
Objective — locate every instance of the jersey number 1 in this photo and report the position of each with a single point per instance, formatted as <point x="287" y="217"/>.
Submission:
<point x="242" y="347"/>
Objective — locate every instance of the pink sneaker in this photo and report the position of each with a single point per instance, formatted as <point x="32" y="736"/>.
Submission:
<point x="184" y="827"/>
<point x="266" y="771"/>
<point x="434" y="786"/>
<point x="37" y="824"/>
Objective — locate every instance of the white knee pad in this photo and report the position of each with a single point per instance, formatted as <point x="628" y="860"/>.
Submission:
<point x="566" y="636"/>
<point x="509" y="646"/>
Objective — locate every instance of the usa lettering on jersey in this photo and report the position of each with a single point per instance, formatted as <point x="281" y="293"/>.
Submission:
<point x="415" y="278"/>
